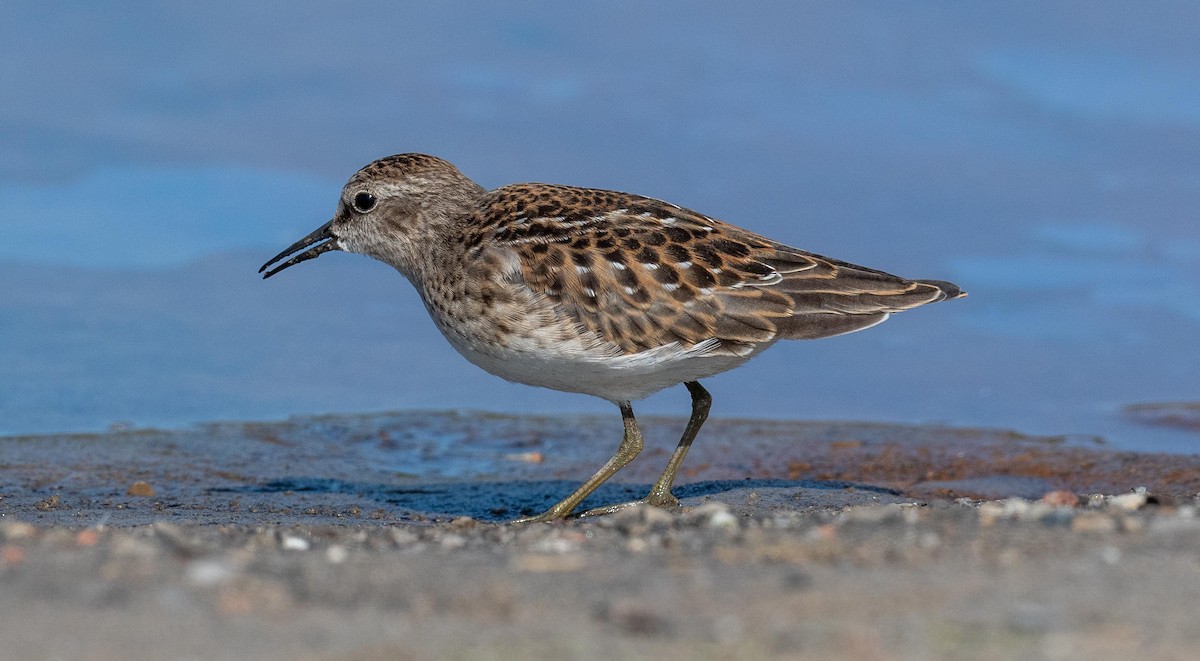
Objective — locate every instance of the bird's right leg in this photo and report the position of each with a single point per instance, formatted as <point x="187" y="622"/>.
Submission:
<point x="631" y="445"/>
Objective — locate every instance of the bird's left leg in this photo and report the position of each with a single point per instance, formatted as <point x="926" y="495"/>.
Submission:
<point x="660" y="494"/>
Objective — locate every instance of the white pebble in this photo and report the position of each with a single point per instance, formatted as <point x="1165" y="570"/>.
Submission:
<point x="206" y="573"/>
<point x="723" y="519"/>
<point x="336" y="554"/>
<point x="1128" y="501"/>
<point x="293" y="543"/>
<point x="452" y="542"/>
<point x="15" y="530"/>
<point x="557" y="544"/>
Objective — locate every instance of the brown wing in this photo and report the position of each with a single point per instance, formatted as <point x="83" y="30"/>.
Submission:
<point x="642" y="273"/>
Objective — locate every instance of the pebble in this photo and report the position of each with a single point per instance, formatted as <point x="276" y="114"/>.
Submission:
<point x="16" y="530"/>
<point x="1009" y="508"/>
<point x="782" y="520"/>
<point x="53" y="502"/>
<point x="559" y="542"/>
<point x="528" y="457"/>
<point x="1129" y="501"/>
<point x="453" y="542"/>
<point x="1061" y="498"/>
<point x="206" y="573"/>
<point x="402" y="537"/>
<point x="87" y="537"/>
<point x="11" y="555"/>
<point x="294" y="543"/>
<point x="637" y="545"/>
<point x="826" y="532"/>
<point x="336" y="554"/>
<point x="140" y="489"/>
<point x="723" y="520"/>
<point x="714" y="515"/>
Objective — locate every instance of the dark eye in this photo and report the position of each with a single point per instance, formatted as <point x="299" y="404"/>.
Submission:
<point x="364" y="202"/>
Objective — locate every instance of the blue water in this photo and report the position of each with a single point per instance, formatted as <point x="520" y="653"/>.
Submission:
<point x="1046" y="158"/>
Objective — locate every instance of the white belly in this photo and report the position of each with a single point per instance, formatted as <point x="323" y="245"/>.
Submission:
<point x="617" y="378"/>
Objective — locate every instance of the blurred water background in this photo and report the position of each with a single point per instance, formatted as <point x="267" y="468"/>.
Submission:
<point x="1045" y="156"/>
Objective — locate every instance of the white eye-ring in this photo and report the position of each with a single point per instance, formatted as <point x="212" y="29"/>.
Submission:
<point x="364" y="201"/>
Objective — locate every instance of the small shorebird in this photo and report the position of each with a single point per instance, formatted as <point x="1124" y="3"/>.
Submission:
<point x="597" y="292"/>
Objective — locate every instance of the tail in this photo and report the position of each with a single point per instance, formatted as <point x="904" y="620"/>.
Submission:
<point x="949" y="289"/>
<point x="858" y="300"/>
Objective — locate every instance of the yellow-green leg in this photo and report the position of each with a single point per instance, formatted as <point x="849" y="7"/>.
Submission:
<point x="631" y="445"/>
<point x="660" y="494"/>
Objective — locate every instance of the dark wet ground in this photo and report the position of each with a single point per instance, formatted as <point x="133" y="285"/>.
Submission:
<point x="376" y="537"/>
<point x="422" y="466"/>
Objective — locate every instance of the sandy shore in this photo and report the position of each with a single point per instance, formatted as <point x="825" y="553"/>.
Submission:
<point x="379" y="537"/>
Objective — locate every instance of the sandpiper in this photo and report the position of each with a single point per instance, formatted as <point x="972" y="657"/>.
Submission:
<point x="595" y="291"/>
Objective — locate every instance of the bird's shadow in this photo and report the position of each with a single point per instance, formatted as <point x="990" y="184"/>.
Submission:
<point x="505" y="500"/>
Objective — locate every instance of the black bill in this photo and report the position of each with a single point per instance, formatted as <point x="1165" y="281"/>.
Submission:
<point x="323" y="238"/>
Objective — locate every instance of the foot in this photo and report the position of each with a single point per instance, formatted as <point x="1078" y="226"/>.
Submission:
<point x="553" y="514"/>
<point x="661" y="500"/>
<point x="664" y="499"/>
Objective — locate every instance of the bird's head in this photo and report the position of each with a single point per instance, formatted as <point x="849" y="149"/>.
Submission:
<point x="392" y="210"/>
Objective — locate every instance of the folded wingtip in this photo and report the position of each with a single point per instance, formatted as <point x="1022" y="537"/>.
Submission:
<point x="949" y="289"/>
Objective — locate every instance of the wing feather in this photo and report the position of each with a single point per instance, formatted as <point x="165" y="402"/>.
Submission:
<point x="640" y="273"/>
